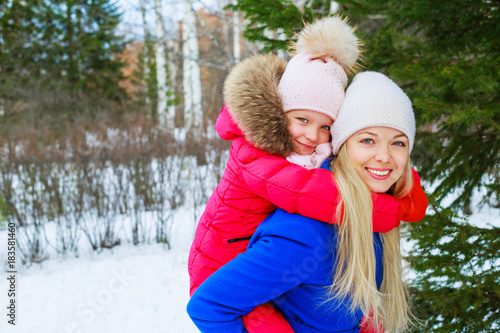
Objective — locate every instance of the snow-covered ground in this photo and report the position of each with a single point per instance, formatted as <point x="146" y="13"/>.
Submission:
<point x="126" y="289"/>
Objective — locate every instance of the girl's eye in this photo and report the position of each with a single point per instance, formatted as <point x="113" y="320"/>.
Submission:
<point x="326" y="127"/>
<point x="302" y="120"/>
<point x="367" y="141"/>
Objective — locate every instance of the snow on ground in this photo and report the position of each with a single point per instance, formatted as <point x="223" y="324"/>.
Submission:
<point x="126" y="289"/>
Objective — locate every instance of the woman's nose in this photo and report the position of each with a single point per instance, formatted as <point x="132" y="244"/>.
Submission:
<point x="382" y="155"/>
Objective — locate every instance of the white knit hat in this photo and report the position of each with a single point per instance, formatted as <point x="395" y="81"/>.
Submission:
<point x="372" y="100"/>
<point x="315" y="79"/>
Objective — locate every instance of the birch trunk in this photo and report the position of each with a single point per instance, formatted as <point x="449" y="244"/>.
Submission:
<point x="193" y="112"/>
<point x="334" y="7"/>
<point x="145" y="53"/>
<point x="225" y="27"/>
<point x="161" y="69"/>
<point x="236" y="36"/>
<point x="173" y="49"/>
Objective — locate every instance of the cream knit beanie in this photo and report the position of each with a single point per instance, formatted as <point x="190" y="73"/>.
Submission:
<point x="315" y="79"/>
<point x="372" y="100"/>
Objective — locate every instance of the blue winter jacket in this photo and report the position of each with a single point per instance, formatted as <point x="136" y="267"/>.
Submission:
<point x="289" y="262"/>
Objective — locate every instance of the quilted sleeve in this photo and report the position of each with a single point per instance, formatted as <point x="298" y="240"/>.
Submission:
<point x="413" y="206"/>
<point x="266" y="319"/>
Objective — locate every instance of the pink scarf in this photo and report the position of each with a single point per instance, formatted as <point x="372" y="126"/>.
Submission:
<point x="314" y="160"/>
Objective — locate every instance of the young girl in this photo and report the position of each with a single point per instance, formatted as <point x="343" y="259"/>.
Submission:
<point x="268" y="107"/>
<point x="321" y="277"/>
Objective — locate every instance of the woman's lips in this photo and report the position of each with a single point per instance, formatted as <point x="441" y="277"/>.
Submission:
<point x="379" y="174"/>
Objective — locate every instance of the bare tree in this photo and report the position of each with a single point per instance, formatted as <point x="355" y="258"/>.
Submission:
<point x="161" y="68"/>
<point x="236" y="35"/>
<point x="225" y="25"/>
<point x="193" y="112"/>
<point x="173" y="51"/>
<point x="146" y="51"/>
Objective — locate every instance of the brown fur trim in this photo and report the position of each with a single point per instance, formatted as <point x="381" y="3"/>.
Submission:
<point x="251" y="93"/>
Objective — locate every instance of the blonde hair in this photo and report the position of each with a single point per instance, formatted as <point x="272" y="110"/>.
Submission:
<point x="355" y="273"/>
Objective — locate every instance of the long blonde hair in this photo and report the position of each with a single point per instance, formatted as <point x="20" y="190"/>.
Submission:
<point x="354" y="275"/>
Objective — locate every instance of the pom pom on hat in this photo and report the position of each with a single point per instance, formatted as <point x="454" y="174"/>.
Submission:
<point x="315" y="79"/>
<point x="330" y="38"/>
<point x="372" y="100"/>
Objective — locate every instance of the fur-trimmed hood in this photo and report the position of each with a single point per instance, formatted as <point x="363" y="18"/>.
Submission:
<point x="251" y="94"/>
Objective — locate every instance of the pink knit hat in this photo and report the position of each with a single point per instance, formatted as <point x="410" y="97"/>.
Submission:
<point x="315" y="79"/>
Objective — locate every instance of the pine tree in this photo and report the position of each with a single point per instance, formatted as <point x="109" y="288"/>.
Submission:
<point x="446" y="56"/>
<point x="18" y="47"/>
<point x="90" y="44"/>
<point x="59" y="57"/>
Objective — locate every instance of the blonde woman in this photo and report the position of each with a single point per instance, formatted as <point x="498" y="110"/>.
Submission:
<point x="321" y="277"/>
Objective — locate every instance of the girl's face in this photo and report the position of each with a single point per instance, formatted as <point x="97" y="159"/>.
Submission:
<point x="308" y="129"/>
<point x="379" y="156"/>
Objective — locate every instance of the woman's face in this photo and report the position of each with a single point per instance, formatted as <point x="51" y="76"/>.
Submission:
<point x="308" y="129"/>
<point x="379" y="156"/>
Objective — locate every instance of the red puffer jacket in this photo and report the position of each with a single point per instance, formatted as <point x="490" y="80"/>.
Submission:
<point x="258" y="179"/>
<point x="252" y="186"/>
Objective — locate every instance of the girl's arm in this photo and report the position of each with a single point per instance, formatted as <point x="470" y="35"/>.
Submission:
<point x="413" y="206"/>
<point x="266" y="319"/>
<point x="311" y="193"/>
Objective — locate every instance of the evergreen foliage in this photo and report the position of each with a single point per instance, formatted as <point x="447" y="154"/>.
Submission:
<point x="272" y="15"/>
<point x="446" y="56"/>
<point x="59" y="57"/>
<point x="146" y="98"/>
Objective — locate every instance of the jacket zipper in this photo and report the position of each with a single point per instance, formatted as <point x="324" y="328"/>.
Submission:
<point x="234" y="240"/>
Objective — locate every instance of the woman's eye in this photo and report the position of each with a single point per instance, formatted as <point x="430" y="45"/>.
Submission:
<point x="400" y="143"/>
<point x="367" y="141"/>
<point x="326" y="127"/>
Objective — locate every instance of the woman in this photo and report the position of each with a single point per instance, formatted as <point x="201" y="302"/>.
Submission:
<point x="325" y="278"/>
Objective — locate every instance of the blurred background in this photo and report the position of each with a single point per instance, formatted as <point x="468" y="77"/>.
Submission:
<point x="108" y="149"/>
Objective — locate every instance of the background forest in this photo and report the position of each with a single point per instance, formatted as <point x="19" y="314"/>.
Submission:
<point x="97" y="122"/>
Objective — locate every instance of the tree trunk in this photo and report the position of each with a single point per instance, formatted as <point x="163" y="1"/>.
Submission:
<point x="161" y="69"/>
<point x="225" y="27"/>
<point x="193" y="112"/>
<point x="236" y="36"/>
<point x="145" y="54"/>
<point x="334" y="6"/>
<point x="173" y="49"/>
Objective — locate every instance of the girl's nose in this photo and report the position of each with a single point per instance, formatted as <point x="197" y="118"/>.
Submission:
<point x="312" y="135"/>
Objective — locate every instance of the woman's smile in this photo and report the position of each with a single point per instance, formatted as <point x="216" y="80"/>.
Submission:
<point x="380" y="174"/>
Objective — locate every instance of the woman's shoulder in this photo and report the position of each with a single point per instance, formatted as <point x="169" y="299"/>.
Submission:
<point x="295" y="227"/>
